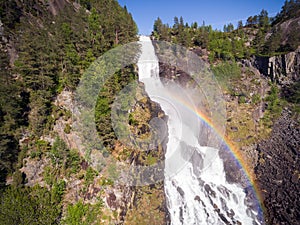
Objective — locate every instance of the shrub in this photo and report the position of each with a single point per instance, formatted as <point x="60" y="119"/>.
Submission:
<point x="256" y="98"/>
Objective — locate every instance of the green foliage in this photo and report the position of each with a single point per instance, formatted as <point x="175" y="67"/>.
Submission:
<point x="271" y="39"/>
<point x="151" y="160"/>
<point x="231" y="44"/>
<point x="242" y="99"/>
<point x="67" y="128"/>
<point x="39" y="147"/>
<point x="57" y="191"/>
<point x="263" y="19"/>
<point x="83" y="214"/>
<point x="29" y="206"/>
<point x="273" y="99"/>
<point x="52" y="53"/>
<point x="256" y="98"/>
<point x="226" y="45"/>
<point x="18" y="179"/>
<point x="289" y="10"/>
<point x="228" y="28"/>
<point x="132" y="120"/>
<point x="59" y="152"/>
<point x="226" y="71"/>
<point x="35" y="154"/>
<point x="13" y="101"/>
<point x="49" y="176"/>
<point x="10" y="13"/>
<point x="106" y="181"/>
<point x="74" y="40"/>
<point x="106" y="97"/>
<point x="89" y="176"/>
<point x="275" y="104"/>
<point x="64" y="161"/>
<point x="73" y="161"/>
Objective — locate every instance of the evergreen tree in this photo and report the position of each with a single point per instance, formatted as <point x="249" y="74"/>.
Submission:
<point x="157" y="27"/>
<point x="176" y="23"/>
<point x="240" y="24"/>
<point x="263" y="19"/>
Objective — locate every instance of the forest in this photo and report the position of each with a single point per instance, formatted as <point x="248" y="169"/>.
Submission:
<point x="49" y="52"/>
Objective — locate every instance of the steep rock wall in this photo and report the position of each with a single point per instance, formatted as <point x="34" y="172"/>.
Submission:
<point x="282" y="69"/>
<point x="278" y="171"/>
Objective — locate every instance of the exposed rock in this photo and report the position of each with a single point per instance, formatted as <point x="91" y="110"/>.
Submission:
<point x="55" y="6"/>
<point x="234" y="129"/>
<point x="278" y="172"/>
<point x="1" y="29"/>
<point x="282" y="69"/>
<point x="167" y="72"/>
<point x="34" y="171"/>
<point x="128" y="202"/>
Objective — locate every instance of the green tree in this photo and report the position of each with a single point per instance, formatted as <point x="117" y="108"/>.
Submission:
<point x="82" y="214"/>
<point x="157" y="27"/>
<point x="28" y="206"/>
<point x="249" y="21"/>
<point x="176" y="23"/>
<point x="59" y="152"/>
<point x="240" y="24"/>
<point x="263" y="19"/>
<point x="228" y="28"/>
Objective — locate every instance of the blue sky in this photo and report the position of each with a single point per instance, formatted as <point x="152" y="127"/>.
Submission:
<point x="213" y="12"/>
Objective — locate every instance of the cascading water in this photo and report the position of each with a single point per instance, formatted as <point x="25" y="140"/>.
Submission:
<point x="194" y="195"/>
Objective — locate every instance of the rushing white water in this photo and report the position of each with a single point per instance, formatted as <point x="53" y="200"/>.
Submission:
<point x="194" y="195"/>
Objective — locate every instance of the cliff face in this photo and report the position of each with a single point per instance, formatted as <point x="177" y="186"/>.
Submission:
<point x="278" y="171"/>
<point x="278" y="164"/>
<point x="283" y="69"/>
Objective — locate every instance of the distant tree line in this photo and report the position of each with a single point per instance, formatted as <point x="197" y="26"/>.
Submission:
<point x="234" y="43"/>
<point x="226" y="45"/>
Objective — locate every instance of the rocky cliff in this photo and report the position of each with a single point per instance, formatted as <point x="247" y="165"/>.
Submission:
<point x="282" y="69"/>
<point x="278" y="171"/>
<point x="130" y="204"/>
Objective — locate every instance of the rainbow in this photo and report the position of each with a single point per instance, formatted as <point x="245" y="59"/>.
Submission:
<point x="231" y="147"/>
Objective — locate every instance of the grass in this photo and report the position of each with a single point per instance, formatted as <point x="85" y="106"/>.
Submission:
<point x="226" y="72"/>
<point x="147" y="210"/>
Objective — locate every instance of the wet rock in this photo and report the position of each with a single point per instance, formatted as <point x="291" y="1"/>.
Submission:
<point x="197" y="198"/>
<point x="209" y="190"/>
<point x="180" y="191"/>
<point x="223" y="218"/>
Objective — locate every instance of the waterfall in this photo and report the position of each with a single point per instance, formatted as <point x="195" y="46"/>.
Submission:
<point x="194" y="195"/>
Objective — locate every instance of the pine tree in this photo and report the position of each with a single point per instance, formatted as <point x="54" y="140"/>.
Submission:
<point x="263" y="19"/>
<point x="240" y="24"/>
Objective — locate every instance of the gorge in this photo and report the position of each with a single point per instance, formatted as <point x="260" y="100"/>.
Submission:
<point x="226" y="144"/>
<point x="196" y="188"/>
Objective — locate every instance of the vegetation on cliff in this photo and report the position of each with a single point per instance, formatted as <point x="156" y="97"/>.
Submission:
<point x="45" y="48"/>
<point x="261" y="35"/>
